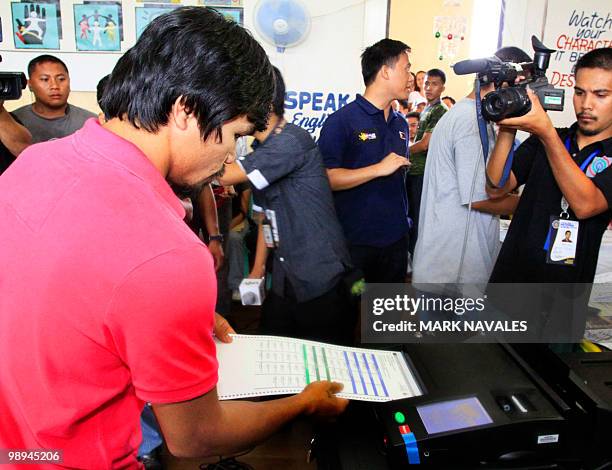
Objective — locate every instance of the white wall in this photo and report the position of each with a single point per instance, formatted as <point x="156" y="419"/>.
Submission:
<point x="326" y="66"/>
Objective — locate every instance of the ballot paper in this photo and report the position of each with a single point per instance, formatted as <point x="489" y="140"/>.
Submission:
<point x="254" y="365"/>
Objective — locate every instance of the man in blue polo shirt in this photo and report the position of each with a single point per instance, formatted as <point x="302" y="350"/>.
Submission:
<point x="365" y="149"/>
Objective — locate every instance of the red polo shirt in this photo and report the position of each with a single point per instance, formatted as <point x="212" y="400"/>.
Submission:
<point x="106" y="299"/>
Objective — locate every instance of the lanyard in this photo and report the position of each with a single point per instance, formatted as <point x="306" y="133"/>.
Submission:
<point x="583" y="167"/>
<point x="587" y="160"/>
<point x="484" y="141"/>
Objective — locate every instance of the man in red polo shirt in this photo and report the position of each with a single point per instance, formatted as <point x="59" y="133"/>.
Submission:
<point x="106" y="296"/>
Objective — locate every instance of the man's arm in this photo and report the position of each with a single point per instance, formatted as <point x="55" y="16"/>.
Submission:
<point x="504" y="205"/>
<point x="261" y="255"/>
<point x="585" y="199"/>
<point x="422" y="145"/>
<point x="208" y="213"/>
<point x="497" y="161"/>
<point x="207" y="427"/>
<point x="13" y="135"/>
<point x="344" y="178"/>
<point x="233" y="174"/>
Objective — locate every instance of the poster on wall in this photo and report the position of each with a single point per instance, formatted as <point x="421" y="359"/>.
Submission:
<point x="110" y="2"/>
<point x="97" y="27"/>
<point x="573" y="29"/>
<point x="234" y="14"/>
<point x="146" y="14"/>
<point x="449" y="31"/>
<point x="58" y="10"/>
<point x="222" y="3"/>
<point x="35" y="25"/>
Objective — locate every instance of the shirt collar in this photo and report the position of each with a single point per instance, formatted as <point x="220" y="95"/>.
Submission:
<point x="372" y="110"/>
<point x="605" y="146"/>
<point x="367" y="106"/>
<point x="103" y="143"/>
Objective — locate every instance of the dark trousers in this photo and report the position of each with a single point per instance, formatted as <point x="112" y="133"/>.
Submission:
<point x="329" y="318"/>
<point x="414" y="189"/>
<point x="384" y="265"/>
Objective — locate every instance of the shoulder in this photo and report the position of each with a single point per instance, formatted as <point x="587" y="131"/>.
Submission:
<point x="81" y="112"/>
<point x="24" y="112"/>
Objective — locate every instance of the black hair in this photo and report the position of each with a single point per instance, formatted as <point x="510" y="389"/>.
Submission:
<point x="384" y="52"/>
<point x="278" y="102"/>
<point x="403" y="103"/>
<point x="508" y="54"/>
<point x="450" y="98"/>
<point x="437" y="73"/>
<point x="41" y="59"/>
<point x="214" y="65"/>
<point x="513" y="54"/>
<point x="414" y="114"/>
<point x="100" y="89"/>
<point x="596" y="59"/>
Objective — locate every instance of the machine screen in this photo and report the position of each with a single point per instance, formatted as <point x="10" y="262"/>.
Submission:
<point x="452" y="415"/>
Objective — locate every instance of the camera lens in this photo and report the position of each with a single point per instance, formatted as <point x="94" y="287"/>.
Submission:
<point x="505" y="103"/>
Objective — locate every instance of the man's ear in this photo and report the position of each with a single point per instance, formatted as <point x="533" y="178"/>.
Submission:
<point x="384" y="71"/>
<point x="178" y="115"/>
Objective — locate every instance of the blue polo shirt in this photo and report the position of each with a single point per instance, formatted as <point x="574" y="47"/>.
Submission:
<point x="357" y="135"/>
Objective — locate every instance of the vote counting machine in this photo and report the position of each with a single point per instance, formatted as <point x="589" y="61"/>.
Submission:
<point x="484" y="406"/>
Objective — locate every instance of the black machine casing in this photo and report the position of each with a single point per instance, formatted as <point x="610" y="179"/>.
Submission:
<point x="529" y="426"/>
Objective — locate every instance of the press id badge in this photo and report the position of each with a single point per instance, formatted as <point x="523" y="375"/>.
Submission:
<point x="267" y="233"/>
<point x="271" y="216"/>
<point x="562" y="241"/>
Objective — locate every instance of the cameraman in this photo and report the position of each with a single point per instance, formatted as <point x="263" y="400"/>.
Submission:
<point x="558" y="165"/>
<point x="13" y="138"/>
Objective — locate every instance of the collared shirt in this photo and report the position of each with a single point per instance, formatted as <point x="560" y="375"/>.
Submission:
<point x="522" y="257"/>
<point x="107" y="299"/>
<point x="356" y="136"/>
<point x="427" y="122"/>
<point x="290" y="180"/>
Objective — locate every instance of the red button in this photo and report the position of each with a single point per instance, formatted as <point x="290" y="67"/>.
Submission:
<point x="404" y="429"/>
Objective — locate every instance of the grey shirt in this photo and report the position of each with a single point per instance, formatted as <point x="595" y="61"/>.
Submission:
<point x="455" y="163"/>
<point x="289" y="179"/>
<point x="43" y="129"/>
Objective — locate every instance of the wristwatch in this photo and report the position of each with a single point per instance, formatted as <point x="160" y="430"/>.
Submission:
<point x="217" y="238"/>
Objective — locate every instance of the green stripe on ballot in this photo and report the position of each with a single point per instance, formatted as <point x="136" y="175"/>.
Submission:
<point x="314" y="354"/>
<point x="306" y="364"/>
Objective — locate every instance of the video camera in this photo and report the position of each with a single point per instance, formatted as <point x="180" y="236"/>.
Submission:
<point x="513" y="101"/>
<point x="11" y="84"/>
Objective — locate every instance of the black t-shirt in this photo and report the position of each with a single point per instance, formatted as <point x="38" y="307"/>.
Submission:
<point x="522" y="257"/>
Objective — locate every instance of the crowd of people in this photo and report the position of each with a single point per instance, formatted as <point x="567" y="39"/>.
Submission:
<point x="109" y="300"/>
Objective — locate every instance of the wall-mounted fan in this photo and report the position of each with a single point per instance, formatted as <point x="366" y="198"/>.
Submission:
<point x="282" y="23"/>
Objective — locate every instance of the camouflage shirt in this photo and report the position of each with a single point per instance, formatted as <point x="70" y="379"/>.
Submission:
<point x="429" y="118"/>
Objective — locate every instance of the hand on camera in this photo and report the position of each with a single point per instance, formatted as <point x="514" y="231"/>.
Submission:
<point x="536" y="121"/>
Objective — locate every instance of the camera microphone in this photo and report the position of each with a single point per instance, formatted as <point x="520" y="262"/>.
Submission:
<point x="466" y="67"/>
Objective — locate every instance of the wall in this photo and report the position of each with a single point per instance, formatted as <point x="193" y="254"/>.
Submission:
<point x="324" y="67"/>
<point x="412" y="22"/>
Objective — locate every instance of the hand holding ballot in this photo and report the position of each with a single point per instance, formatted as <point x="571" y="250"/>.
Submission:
<point x="321" y="401"/>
